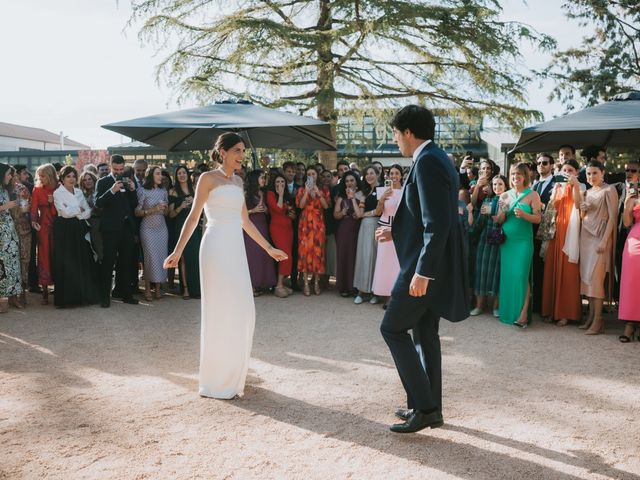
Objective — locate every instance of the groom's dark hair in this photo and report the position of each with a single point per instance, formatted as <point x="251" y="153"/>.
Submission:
<point x="417" y="119"/>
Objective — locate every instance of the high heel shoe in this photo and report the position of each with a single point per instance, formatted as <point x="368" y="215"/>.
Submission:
<point x="521" y="325"/>
<point x="4" y="305"/>
<point x="593" y="331"/>
<point x="316" y="286"/>
<point x="14" y="302"/>
<point x="305" y="289"/>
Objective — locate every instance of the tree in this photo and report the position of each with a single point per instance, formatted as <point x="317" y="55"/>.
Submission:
<point x="608" y="60"/>
<point x="334" y="56"/>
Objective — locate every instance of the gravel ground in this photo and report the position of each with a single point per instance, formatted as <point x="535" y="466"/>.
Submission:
<point x="112" y="393"/>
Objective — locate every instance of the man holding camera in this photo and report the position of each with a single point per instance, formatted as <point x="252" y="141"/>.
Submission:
<point x="116" y="196"/>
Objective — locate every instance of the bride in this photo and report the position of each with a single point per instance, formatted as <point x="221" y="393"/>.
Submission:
<point x="227" y="308"/>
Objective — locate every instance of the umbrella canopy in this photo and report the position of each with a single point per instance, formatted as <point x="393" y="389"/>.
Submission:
<point x="197" y="128"/>
<point x="615" y="123"/>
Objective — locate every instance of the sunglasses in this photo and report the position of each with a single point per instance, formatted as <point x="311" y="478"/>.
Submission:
<point x="631" y="170"/>
<point x="543" y="162"/>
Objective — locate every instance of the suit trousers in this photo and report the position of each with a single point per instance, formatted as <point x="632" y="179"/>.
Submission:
<point x="418" y="360"/>
<point x="537" y="269"/>
<point x="119" y="250"/>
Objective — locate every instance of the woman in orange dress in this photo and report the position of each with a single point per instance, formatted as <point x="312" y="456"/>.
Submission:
<point x="312" y="201"/>
<point x="561" y="300"/>
<point x="43" y="213"/>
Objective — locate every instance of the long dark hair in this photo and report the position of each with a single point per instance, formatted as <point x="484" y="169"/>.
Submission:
<point x="366" y="188"/>
<point x="3" y="171"/>
<point x="272" y="188"/>
<point x="342" y="190"/>
<point x="399" y="168"/>
<point x="176" y="183"/>
<point x="148" y="182"/>
<point x="251" y="186"/>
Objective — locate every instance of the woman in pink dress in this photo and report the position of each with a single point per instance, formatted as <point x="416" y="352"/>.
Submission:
<point x="387" y="266"/>
<point x="629" y="309"/>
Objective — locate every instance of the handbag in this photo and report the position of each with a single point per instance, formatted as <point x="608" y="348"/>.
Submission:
<point x="547" y="228"/>
<point x="496" y="235"/>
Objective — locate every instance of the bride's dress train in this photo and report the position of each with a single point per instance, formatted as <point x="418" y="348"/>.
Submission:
<point x="228" y="310"/>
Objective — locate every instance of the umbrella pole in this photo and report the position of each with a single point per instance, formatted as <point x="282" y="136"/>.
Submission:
<point x="254" y="154"/>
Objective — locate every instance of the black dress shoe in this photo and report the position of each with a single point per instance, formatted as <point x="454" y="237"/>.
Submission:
<point x="418" y="421"/>
<point x="130" y="301"/>
<point x="404" y="413"/>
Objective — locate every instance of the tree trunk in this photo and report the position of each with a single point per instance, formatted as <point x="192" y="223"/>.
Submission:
<point x="326" y="77"/>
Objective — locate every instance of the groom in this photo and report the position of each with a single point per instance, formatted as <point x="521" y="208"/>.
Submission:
<point x="433" y="275"/>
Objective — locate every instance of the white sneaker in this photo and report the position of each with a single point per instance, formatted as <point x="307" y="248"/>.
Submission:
<point x="476" y="311"/>
<point x="358" y="300"/>
<point x="373" y="300"/>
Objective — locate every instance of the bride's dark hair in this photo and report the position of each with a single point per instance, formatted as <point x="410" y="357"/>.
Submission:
<point x="227" y="140"/>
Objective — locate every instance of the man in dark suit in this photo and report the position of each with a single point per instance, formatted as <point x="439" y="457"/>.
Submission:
<point x="632" y="177"/>
<point x="544" y="186"/>
<point x="117" y="199"/>
<point x="433" y="271"/>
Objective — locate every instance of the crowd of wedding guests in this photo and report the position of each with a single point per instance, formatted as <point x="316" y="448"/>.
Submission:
<point x="541" y="237"/>
<point x="551" y="234"/>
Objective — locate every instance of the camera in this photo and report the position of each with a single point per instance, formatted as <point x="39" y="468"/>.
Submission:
<point x="559" y="178"/>
<point x="387" y="183"/>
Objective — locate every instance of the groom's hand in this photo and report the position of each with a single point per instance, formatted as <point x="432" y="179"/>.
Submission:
<point x="418" y="286"/>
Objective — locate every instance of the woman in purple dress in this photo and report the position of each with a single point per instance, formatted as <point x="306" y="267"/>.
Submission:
<point x="348" y="213"/>
<point x="261" y="266"/>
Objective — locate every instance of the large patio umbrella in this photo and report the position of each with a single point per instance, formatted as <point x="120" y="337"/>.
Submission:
<point x="197" y="128"/>
<point x="615" y="123"/>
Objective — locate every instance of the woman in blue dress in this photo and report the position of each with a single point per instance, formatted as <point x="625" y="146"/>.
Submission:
<point x="153" y="206"/>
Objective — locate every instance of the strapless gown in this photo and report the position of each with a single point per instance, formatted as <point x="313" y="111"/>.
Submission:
<point x="227" y="308"/>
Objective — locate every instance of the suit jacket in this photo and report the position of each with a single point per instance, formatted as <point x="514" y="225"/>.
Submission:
<point x="621" y="189"/>
<point x="545" y="194"/>
<point x="117" y="209"/>
<point x="428" y="236"/>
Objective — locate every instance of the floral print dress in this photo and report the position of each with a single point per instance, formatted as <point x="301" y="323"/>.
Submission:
<point x="9" y="252"/>
<point x="311" y="233"/>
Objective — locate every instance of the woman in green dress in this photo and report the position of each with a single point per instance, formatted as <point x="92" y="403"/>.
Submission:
<point x="520" y="207"/>
<point x="180" y="201"/>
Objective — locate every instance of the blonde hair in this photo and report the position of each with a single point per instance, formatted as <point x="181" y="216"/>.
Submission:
<point x="523" y="169"/>
<point x="48" y="171"/>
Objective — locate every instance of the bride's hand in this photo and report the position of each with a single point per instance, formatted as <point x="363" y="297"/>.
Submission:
<point x="276" y="254"/>
<point x="171" y="261"/>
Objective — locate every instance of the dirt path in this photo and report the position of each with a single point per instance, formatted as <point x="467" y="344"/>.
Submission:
<point x="95" y="393"/>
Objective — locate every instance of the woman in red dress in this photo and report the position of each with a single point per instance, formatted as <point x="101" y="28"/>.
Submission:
<point x="280" y="205"/>
<point x="43" y="212"/>
<point x="311" y="232"/>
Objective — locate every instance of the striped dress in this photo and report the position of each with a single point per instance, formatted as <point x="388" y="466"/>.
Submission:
<point x="487" y="272"/>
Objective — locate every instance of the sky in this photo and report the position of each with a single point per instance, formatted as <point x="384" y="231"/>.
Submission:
<point x="73" y="65"/>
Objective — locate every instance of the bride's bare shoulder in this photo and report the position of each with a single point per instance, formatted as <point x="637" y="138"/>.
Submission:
<point x="237" y="180"/>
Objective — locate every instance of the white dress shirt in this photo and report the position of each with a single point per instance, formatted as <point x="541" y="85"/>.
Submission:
<point x="70" y="205"/>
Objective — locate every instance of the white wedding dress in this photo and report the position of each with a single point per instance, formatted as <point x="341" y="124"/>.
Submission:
<point x="228" y="311"/>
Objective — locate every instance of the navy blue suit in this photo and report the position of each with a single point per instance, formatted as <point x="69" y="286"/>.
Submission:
<point x="429" y="241"/>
